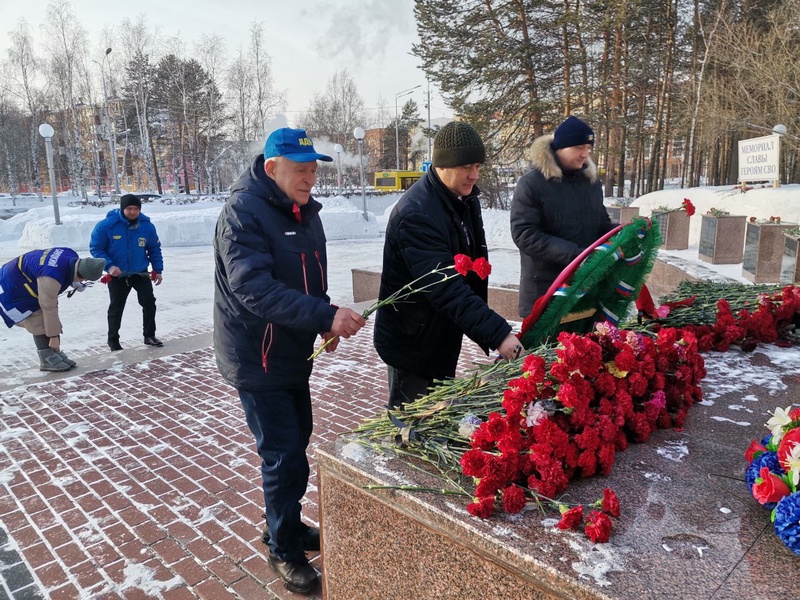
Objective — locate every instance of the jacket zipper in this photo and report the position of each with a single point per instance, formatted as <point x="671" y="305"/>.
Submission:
<point x="265" y="350"/>
<point x="305" y="278"/>
<point x="321" y="272"/>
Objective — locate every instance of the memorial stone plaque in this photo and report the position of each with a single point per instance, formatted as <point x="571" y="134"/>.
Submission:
<point x="789" y="263"/>
<point x="751" y="237"/>
<point x="708" y="236"/>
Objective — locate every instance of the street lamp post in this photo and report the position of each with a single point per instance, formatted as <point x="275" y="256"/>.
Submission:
<point x="46" y="131"/>
<point x="358" y="133"/>
<point x="338" y="149"/>
<point x="397" y="122"/>
<point x="111" y="141"/>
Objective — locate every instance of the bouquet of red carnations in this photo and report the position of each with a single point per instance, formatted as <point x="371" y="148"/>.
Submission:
<point x="569" y="418"/>
<point x="774" y="474"/>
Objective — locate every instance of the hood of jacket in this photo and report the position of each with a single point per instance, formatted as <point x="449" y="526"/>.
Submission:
<point x="544" y="159"/>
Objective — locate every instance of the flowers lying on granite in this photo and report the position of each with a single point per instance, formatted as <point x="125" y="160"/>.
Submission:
<point x="597" y="524"/>
<point x="463" y="265"/>
<point x="776" y="220"/>
<point x="603" y="389"/>
<point x="513" y="434"/>
<point x="686" y="206"/>
<point x="773" y="474"/>
<point x="745" y="315"/>
<point x="717" y="212"/>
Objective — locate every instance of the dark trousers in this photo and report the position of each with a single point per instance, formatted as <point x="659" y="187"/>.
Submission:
<point x="118" y="290"/>
<point x="280" y="419"/>
<point x="405" y="387"/>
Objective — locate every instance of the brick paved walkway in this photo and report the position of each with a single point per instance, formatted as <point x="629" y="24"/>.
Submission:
<point x="142" y="481"/>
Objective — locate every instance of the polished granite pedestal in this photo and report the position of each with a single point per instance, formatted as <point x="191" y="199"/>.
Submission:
<point x="688" y="529"/>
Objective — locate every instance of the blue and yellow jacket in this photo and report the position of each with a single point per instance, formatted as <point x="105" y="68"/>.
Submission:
<point x="19" y="288"/>
<point x="130" y="246"/>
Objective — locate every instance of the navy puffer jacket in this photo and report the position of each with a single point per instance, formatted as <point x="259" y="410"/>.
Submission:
<point x="270" y="284"/>
<point x="426" y="230"/>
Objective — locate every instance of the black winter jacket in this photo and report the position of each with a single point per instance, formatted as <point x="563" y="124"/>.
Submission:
<point x="423" y="335"/>
<point x="270" y="284"/>
<point x="555" y="215"/>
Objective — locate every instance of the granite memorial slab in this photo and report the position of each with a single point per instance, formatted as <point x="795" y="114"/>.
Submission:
<point x="763" y="251"/>
<point x="689" y="528"/>
<point x="722" y="239"/>
<point x="674" y="229"/>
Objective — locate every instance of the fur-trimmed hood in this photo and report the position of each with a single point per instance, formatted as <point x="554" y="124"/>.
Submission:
<point x="544" y="159"/>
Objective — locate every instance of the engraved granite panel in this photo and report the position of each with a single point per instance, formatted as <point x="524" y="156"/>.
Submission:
<point x="763" y="255"/>
<point x="722" y="239"/>
<point x="789" y="265"/>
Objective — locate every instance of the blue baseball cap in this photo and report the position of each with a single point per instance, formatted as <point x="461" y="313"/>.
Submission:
<point x="293" y="144"/>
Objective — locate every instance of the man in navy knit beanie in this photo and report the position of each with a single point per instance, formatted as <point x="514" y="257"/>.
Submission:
<point x="557" y="209"/>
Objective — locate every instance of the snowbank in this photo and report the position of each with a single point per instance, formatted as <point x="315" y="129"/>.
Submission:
<point x="762" y="203"/>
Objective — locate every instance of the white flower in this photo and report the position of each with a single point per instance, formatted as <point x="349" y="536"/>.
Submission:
<point x="792" y="464"/>
<point x="467" y="425"/>
<point x="776" y="424"/>
<point x="536" y="413"/>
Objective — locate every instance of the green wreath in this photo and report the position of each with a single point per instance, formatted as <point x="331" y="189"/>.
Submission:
<point x="605" y="279"/>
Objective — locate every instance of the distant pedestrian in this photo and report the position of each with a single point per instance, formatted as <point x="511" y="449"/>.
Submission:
<point x="270" y="303"/>
<point x="128" y="242"/>
<point x="557" y="210"/>
<point x="29" y="289"/>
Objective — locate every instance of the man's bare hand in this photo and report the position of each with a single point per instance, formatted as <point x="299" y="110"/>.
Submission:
<point x="347" y="322"/>
<point x="333" y="339"/>
<point x="115" y="271"/>
<point x="511" y="348"/>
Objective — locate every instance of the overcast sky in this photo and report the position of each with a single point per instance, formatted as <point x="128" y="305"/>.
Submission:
<point x="307" y="40"/>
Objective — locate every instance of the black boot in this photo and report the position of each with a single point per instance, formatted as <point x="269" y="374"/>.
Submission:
<point x="153" y="341"/>
<point x="298" y="575"/>
<point x="309" y="537"/>
<point x="114" y="345"/>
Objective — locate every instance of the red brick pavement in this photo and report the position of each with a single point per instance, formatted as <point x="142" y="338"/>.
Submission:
<point x="143" y="482"/>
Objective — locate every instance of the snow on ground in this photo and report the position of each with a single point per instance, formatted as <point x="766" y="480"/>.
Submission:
<point x="759" y="202"/>
<point x="185" y="298"/>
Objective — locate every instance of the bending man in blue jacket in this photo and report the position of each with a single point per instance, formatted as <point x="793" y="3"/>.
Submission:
<point x="270" y="303"/>
<point x="128" y="242"/>
<point x="29" y="289"/>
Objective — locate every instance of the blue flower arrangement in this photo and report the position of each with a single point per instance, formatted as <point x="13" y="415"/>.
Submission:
<point x="773" y="474"/>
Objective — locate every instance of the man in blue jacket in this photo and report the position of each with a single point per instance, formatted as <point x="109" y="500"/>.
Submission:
<point x="29" y="289"/>
<point x="270" y="303"/>
<point x="128" y="242"/>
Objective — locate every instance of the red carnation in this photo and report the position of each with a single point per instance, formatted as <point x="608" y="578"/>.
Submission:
<point x="473" y="463"/>
<point x="610" y="502"/>
<point x="536" y="366"/>
<point x="463" y="263"/>
<point x="513" y="499"/>
<point x="598" y="527"/>
<point x="482" y="507"/>
<point x="482" y="267"/>
<point x="688" y="207"/>
<point x="571" y="519"/>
